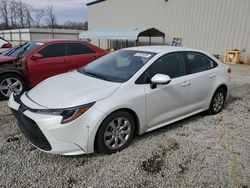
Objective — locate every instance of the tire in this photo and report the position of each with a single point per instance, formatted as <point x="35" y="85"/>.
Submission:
<point x="217" y="102"/>
<point x="109" y="136"/>
<point x="11" y="82"/>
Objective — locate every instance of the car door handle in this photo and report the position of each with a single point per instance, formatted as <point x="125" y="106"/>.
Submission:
<point x="212" y="75"/>
<point x="187" y="83"/>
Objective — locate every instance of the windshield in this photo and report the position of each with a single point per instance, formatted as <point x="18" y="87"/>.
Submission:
<point x="21" y="50"/>
<point x="118" y="66"/>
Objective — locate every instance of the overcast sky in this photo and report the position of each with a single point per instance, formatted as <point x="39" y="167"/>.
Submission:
<point x="74" y="10"/>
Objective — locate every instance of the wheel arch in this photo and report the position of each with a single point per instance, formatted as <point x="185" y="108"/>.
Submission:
<point x="224" y="87"/>
<point x="135" y="117"/>
<point x="132" y="112"/>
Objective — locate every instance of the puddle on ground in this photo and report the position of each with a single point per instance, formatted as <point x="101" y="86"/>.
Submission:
<point x="153" y="164"/>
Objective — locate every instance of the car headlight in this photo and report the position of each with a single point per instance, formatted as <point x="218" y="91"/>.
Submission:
<point x="68" y="114"/>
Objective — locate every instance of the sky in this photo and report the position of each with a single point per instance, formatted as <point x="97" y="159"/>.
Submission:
<point x="74" y="10"/>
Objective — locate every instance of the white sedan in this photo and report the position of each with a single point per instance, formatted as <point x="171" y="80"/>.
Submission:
<point x="101" y="106"/>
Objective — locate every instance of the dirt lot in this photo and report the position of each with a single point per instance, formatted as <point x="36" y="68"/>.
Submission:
<point x="201" y="151"/>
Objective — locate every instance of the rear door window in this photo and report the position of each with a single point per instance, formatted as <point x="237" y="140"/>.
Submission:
<point x="198" y="62"/>
<point x="54" y="50"/>
<point x="78" y="49"/>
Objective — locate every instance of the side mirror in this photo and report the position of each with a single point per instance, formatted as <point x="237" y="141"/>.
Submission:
<point x="7" y="45"/>
<point x="159" y="79"/>
<point x="37" y="56"/>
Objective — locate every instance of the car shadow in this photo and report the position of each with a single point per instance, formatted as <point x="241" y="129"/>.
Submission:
<point x="170" y="127"/>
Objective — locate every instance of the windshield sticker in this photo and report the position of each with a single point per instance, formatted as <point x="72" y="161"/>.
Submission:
<point x="40" y="43"/>
<point x="145" y="55"/>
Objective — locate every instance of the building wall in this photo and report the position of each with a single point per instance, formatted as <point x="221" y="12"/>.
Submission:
<point x="44" y="34"/>
<point x="212" y="25"/>
<point x="18" y="36"/>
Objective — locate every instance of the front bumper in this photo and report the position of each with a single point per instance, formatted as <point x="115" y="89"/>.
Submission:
<point x="31" y="130"/>
<point x="48" y="134"/>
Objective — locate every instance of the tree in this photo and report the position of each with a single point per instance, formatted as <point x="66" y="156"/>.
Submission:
<point x="28" y="15"/>
<point x="16" y="14"/>
<point x="21" y="13"/>
<point x="51" y="17"/>
<point x="39" y="15"/>
<point x="86" y="25"/>
<point x="4" y="12"/>
<point x="13" y="8"/>
<point x="75" y="25"/>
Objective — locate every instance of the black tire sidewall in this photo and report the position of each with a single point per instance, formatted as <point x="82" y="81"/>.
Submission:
<point x="12" y="75"/>
<point x="211" y="109"/>
<point x="99" y="142"/>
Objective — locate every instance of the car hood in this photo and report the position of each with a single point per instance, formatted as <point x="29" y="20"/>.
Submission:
<point x="70" y="90"/>
<point x="4" y="58"/>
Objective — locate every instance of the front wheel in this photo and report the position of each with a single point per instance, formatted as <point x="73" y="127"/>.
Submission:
<point x="11" y="83"/>
<point x="217" y="101"/>
<point x="115" y="132"/>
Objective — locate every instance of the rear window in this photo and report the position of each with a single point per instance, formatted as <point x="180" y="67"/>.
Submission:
<point x="198" y="62"/>
<point x="78" y="49"/>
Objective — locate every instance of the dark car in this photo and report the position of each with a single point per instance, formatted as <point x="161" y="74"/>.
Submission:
<point x="24" y="67"/>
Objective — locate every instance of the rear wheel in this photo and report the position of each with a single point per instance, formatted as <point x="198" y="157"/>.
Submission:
<point x="217" y="101"/>
<point x="115" y="132"/>
<point x="11" y="83"/>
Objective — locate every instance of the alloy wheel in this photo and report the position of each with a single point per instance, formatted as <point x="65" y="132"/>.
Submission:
<point x="117" y="133"/>
<point x="218" y="101"/>
<point x="9" y="85"/>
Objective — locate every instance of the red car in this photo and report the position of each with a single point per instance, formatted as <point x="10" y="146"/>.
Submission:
<point x="4" y="45"/>
<point x="24" y="67"/>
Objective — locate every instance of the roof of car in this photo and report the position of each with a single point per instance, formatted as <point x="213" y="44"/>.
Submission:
<point x="162" y="49"/>
<point x="59" y="40"/>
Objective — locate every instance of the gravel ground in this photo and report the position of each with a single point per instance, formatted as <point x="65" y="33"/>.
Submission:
<point x="201" y="151"/>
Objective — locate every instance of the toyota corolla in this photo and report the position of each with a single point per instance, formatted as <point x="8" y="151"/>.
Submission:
<point x="101" y="106"/>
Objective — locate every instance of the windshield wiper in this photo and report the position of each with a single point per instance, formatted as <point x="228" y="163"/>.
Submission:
<point x="21" y="52"/>
<point x="91" y="74"/>
<point x="14" y="49"/>
<point x="9" y="52"/>
<point x="94" y="75"/>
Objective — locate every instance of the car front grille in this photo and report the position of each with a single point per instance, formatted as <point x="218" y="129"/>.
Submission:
<point x="31" y="130"/>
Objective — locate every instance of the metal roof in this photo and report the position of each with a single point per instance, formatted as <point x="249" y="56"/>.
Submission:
<point x="122" y="33"/>
<point x="95" y="2"/>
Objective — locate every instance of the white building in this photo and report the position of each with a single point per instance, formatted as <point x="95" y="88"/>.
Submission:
<point x="211" y="25"/>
